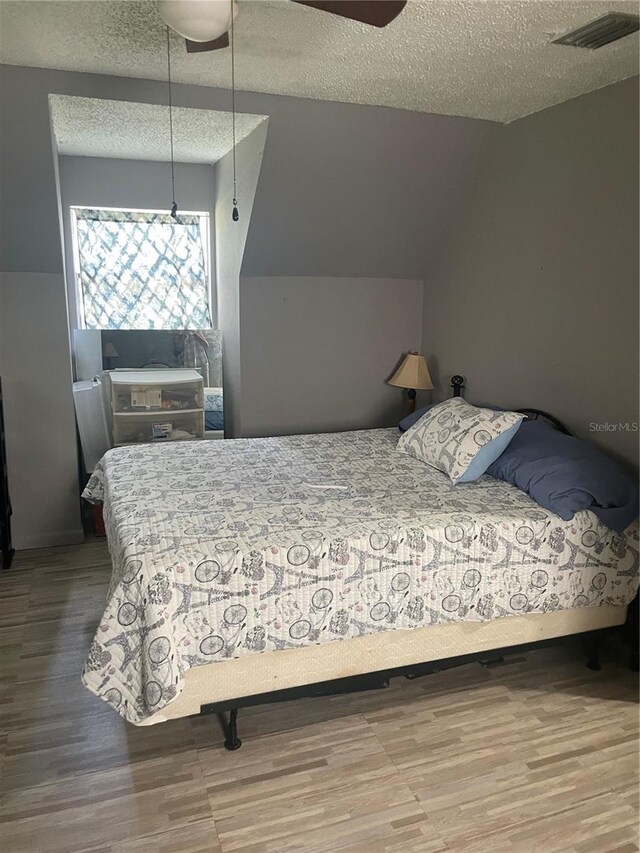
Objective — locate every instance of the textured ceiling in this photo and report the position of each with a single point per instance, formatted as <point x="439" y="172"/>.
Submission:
<point x="477" y="58"/>
<point x="91" y="127"/>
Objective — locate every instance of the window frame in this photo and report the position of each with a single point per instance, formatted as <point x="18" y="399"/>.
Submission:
<point x="205" y="221"/>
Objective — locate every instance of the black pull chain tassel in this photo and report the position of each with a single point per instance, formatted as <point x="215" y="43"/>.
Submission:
<point x="174" y="206"/>
<point x="234" y="214"/>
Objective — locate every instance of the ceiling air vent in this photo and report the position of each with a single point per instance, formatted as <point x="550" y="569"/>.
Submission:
<point x="604" y="30"/>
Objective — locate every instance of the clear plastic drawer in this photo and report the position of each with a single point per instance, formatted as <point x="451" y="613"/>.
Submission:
<point x="163" y="426"/>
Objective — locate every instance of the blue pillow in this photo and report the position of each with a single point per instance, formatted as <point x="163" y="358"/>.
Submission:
<point x="488" y="453"/>
<point x="566" y="475"/>
<point x="414" y="417"/>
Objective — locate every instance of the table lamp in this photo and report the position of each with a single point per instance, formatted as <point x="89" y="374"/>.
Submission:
<point x="110" y="352"/>
<point x="413" y="374"/>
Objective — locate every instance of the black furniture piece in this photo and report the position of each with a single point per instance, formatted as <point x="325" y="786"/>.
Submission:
<point x="5" y="503"/>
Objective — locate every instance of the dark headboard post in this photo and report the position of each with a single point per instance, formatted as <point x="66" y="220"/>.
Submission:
<point x="537" y="414"/>
<point x="457" y="383"/>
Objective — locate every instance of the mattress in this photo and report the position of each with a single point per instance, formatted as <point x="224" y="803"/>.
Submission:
<point x="227" y="549"/>
<point x="253" y="675"/>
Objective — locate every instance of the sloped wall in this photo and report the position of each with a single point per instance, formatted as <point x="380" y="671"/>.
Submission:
<point x="231" y="238"/>
<point x="351" y="190"/>
<point x="345" y="189"/>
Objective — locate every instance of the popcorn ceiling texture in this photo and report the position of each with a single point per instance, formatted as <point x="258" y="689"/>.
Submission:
<point x="476" y="58"/>
<point x="92" y="127"/>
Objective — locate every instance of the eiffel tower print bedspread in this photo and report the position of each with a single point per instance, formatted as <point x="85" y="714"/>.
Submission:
<point x="228" y="548"/>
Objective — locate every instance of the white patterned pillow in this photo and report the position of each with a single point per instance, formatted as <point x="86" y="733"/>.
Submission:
<point x="460" y="439"/>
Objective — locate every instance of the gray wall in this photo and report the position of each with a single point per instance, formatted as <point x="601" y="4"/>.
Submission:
<point x="354" y="191"/>
<point x="103" y="182"/>
<point x="345" y="189"/>
<point x="35" y="367"/>
<point x="316" y="352"/>
<point x="536" y="300"/>
<point x="231" y="238"/>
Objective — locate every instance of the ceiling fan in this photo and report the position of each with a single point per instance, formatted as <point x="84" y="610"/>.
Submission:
<point x="205" y="24"/>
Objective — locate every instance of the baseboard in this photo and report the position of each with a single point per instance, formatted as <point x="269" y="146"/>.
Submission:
<point x="49" y="540"/>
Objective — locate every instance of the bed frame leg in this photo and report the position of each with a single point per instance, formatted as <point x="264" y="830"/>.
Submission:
<point x="489" y="662"/>
<point x="232" y="740"/>
<point x="632" y="632"/>
<point x="592" y="646"/>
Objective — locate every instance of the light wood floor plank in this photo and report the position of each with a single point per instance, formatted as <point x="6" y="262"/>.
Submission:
<point x="197" y="837"/>
<point x="108" y="807"/>
<point x="335" y="780"/>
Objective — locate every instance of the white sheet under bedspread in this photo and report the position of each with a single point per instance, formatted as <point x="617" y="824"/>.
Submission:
<point x="237" y="547"/>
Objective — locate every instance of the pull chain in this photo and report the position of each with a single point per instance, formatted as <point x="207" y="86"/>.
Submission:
<point x="174" y="206"/>
<point x="235" y="215"/>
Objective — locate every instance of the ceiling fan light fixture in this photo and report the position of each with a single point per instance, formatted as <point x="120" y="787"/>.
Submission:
<point x="197" y="20"/>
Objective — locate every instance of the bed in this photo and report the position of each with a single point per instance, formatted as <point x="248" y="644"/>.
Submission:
<point x="261" y="569"/>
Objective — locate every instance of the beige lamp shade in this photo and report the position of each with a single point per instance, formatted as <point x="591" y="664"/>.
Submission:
<point x="412" y="373"/>
<point x="110" y="351"/>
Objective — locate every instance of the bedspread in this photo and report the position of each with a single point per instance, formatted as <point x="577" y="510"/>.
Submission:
<point x="222" y="549"/>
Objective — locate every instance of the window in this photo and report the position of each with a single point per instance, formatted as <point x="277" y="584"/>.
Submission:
<point x="140" y="269"/>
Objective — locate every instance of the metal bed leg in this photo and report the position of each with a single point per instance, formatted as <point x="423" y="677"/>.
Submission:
<point x="632" y="632"/>
<point x="489" y="662"/>
<point x="232" y="740"/>
<point x="592" y="646"/>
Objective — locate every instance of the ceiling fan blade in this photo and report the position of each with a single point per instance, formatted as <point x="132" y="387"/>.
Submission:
<point x="377" y="13"/>
<point x="201" y="46"/>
